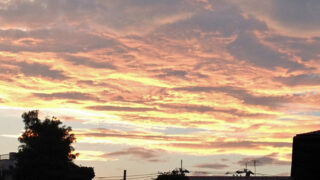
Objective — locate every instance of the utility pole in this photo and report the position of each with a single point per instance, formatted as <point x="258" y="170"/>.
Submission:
<point x="255" y="169"/>
<point x="124" y="174"/>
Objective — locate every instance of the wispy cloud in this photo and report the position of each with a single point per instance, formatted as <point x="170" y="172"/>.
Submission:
<point x="137" y="152"/>
<point x="212" y="166"/>
<point x="67" y="95"/>
<point x="271" y="159"/>
<point x="40" y="70"/>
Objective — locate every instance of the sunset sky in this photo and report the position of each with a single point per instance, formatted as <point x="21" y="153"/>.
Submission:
<point x="146" y="83"/>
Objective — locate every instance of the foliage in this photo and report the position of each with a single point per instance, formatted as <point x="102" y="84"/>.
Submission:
<point x="173" y="175"/>
<point x="46" y="151"/>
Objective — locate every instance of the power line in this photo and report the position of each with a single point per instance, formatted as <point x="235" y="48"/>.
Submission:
<point x="129" y="178"/>
<point x="135" y="176"/>
<point x="142" y="174"/>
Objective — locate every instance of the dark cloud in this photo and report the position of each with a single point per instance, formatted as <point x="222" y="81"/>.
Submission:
<point x="179" y="74"/>
<point x="178" y="108"/>
<point x="200" y="173"/>
<point x="248" y="48"/>
<point x="57" y="40"/>
<point x="270" y="159"/>
<point x="293" y="15"/>
<point x="92" y="83"/>
<point x="123" y="15"/>
<point x="300" y="80"/>
<point x="121" y="108"/>
<point x="209" y="30"/>
<point x="231" y="144"/>
<point x="225" y="19"/>
<point x="212" y="166"/>
<point x="7" y="73"/>
<point x="188" y="108"/>
<point x="68" y="96"/>
<point x="305" y="48"/>
<point x="248" y="144"/>
<point x="241" y="94"/>
<point x="138" y="152"/>
<point x="173" y="73"/>
<point x="40" y="70"/>
<point x="135" y="135"/>
<point x="78" y="60"/>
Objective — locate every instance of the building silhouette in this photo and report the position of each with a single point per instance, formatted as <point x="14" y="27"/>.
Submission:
<point x="7" y="164"/>
<point x="306" y="156"/>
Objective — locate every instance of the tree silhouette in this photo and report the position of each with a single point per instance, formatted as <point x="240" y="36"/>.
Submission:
<point x="173" y="175"/>
<point x="46" y="152"/>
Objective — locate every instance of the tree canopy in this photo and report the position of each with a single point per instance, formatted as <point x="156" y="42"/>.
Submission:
<point x="46" y="151"/>
<point x="173" y="175"/>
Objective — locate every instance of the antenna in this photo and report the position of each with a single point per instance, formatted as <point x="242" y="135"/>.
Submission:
<point x="183" y="171"/>
<point x="255" y="164"/>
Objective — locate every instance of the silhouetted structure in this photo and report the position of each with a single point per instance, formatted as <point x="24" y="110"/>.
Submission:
<point x="306" y="156"/>
<point x="7" y="165"/>
<point x="246" y="172"/>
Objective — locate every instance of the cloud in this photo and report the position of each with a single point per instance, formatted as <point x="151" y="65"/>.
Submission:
<point x="134" y="135"/>
<point x="305" y="48"/>
<point x="67" y="95"/>
<point x="270" y="159"/>
<point x="239" y="93"/>
<point x="70" y="119"/>
<point x="231" y="145"/>
<point x="121" y="108"/>
<point x="92" y="83"/>
<point x="226" y="19"/>
<point x="78" y="60"/>
<point x="188" y="108"/>
<point x="300" y="17"/>
<point x="248" y="48"/>
<point x="300" y="80"/>
<point x="139" y="153"/>
<point x="60" y="40"/>
<point x="200" y="173"/>
<point x="248" y="144"/>
<point x="212" y="166"/>
<point x="178" y="108"/>
<point x="41" y="70"/>
<point x="184" y="142"/>
<point x="173" y="73"/>
<point x="122" y="16"/>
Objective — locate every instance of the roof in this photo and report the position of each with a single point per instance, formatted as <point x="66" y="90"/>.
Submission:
<point x="313" y="133"/>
